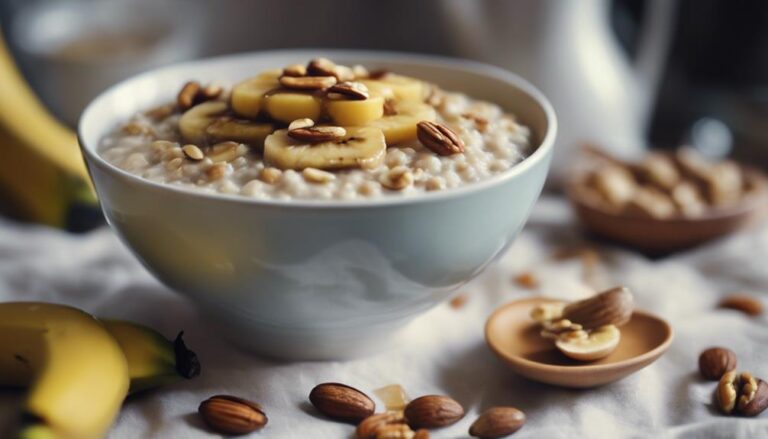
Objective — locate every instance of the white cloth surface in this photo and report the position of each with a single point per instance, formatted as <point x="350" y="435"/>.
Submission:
<point x="444" y="351"/>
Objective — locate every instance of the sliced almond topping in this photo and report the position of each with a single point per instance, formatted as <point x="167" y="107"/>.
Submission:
<point x="211" y="91"/>
<point x="360" y="72"/>
<point x="174" y="164"/>
<point x="316" y="134"/>
<point x="314" y="175"/>
<point x="301" y="123"/>
<point x="193" y="152"/>
<point x="307" y="82"/>
<point x="439" y="138"/>
<point x="356" y="91"/>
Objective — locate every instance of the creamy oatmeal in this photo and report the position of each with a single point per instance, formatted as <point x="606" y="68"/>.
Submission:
<point x="321" y="131"/>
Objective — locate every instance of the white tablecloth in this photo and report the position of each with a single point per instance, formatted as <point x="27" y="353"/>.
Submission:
<point x="444" y="351"/>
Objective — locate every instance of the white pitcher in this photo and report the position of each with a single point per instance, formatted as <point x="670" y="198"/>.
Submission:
<point x="568" y="48"/>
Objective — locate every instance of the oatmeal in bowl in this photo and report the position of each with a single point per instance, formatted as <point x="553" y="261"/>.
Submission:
<point x="312" y="210"/>
<point x="319" y="130"/>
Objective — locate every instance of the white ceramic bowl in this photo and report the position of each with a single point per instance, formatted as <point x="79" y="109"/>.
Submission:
<point x="317" y="279"/>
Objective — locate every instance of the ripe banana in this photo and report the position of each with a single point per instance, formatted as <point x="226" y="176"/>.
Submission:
<point x="247" y="96"/>
<point x="401" y="126"/>
<point x="41" y="168"/>
<point x="398" y="87"/>
<point x="77" y="373"/>
<point x="360" y="147"/>
<point x="355" y="113"/>
<point x="289" y="106"/>
<point x="153" y="360"/>
<point x="195" y="121"/>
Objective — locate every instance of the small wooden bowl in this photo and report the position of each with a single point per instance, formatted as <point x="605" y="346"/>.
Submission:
<point x="514" y="337"/>
<point x="662" y="236"/>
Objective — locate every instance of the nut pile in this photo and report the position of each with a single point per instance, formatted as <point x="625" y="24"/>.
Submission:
<point x="586" y="330"/>
<point x="405" y="419"/>
<point x="737" y="393"/>
<point x="665" y="186"/>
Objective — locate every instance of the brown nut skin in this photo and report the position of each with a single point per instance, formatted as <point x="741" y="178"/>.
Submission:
<point x="341" y="402"/>
<point x="744" y="303"/>
<point x="610" y="307"/>
<point x="757" y="404"/>
<point x="497" y="422"/>
<point x="232" y="415"/>
<point x="370" y="426"/>
<point x="715" y="362"/>
<point x="432" y="411"/>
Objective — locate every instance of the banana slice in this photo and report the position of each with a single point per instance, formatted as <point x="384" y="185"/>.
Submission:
<point x="289" y="106"/>
<point x="362" y="147"/>
<point x="598" y="344"/>
<point x="239" y="130"/>
<point x="355" y="113"/>
<point x="195" y="121"/>
<point x="247" y="97"/>
<point x="398" y="87"/>
<point x="401" y="126"/>
<point x="208" y="122"/>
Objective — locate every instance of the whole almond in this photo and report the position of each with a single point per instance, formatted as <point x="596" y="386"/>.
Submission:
<point x="715" y="362"/>
<point x="433" y="411"/>
<point x="439" y="138"/>
<point x="232" y="415"/>
<point x="611" y="307"/>
<point x="497" y="422"/>
<point x="744" y="303"/>
<point x="342" y="402"/>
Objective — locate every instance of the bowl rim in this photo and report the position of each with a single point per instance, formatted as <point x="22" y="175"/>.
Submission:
<point x="541" y="153"/>
<point x="577" y="369"/>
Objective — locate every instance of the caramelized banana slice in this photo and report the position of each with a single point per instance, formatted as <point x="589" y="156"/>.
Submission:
<point x="247" y="97"/>
<point x="355" y="113"/>
<point x="289" y="106"/>
<point x="361" y="147"/>
<point x="401" y="126"/>
<point x="398" y="87"/>
<point x="239" y="130"/>
<point x="195" y="121"/>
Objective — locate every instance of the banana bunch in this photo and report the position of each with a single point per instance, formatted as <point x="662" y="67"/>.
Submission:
<point x="78" y="369"/>
<point x="41" y="168"/>
<point x="376" y="111"/>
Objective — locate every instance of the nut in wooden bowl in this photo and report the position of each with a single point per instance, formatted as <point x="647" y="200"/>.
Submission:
<point x="666" y="201"/>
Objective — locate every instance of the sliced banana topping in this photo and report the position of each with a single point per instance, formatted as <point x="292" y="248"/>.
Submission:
<point x="247" y="96"/>
<point x="289" y="106"/>
<point x="401" y="126"/>
<point x="360" y="147"/>
<point x="591" y="346"/>
<point x="398" y="87"/>
<point x="194" y="123"/>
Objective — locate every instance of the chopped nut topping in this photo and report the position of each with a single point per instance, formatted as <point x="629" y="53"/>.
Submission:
<point x="301" y="123"/>
<point x="174" y="164"/>
<point x="316" y="134"/>
<point x="360" y="72"/>
<point x="216" y="171"/>
<point x="160" y="112"/>
<point x="378" y="73"/>
<point x="389" y="108"/>
<point x="307" y="82"/>
<point x="321" y="67"/>
<point x="192" y="93"/>
<point x="270" y="175"/>
<point x="295" y="70"/>
<point x="397" y="178"/>
<point x="314" y="175"/>
<point x="193" y="152"/>
<point x="356" y="91"/>
<point x="439" y="138"/>
<point x="225" y="152"/>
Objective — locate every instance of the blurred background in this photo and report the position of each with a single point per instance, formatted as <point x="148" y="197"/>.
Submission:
<point x="623" y="74"/>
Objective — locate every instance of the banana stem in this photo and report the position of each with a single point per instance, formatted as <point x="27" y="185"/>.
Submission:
<point x="187" y="363"/>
